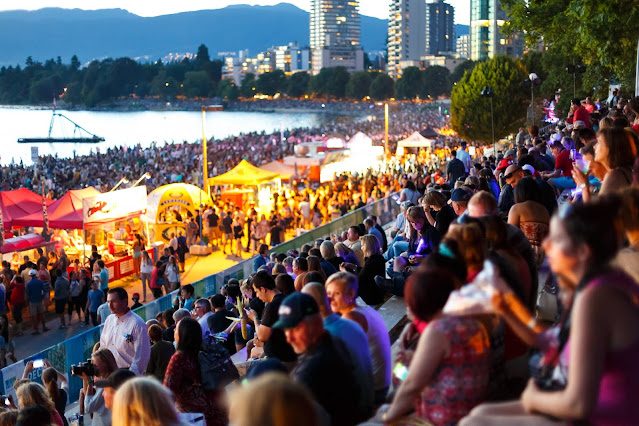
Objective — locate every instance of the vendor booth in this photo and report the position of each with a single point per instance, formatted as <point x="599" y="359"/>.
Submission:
<point x="85" y="217"/>
<point x="170" y="206"/>
<point x="263" y="183"/>
<point x="19" y="203"/>
<point x="416" y="140"/>
<point x="285" y="171"/>
<point x="24" y="245"/>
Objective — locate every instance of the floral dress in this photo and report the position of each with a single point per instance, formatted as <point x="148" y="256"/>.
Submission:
<point x="461" y="380"/>
<point x="183" y="379"/>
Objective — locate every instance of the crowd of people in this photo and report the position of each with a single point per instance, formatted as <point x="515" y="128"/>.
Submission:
<point x="486" y="341"/>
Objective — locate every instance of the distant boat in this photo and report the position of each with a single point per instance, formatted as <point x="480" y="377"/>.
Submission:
<point x="80" y="134"/>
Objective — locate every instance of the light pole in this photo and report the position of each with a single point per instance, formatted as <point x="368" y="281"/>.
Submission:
<point x="532" y="81"/>
<point x="386" y="128"/>
<point x="574" y="69"/>
<point x="490" y="94"/>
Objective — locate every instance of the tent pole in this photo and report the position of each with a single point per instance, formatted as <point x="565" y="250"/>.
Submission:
<point x="84" y="249"/>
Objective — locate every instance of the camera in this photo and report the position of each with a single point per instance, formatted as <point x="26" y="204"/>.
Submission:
<point x="83" y="368"/>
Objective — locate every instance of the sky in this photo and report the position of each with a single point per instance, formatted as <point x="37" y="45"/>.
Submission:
<point x="377" y="8"/>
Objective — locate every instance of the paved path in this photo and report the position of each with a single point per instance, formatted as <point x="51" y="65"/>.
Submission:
<point x="196" y="268"/>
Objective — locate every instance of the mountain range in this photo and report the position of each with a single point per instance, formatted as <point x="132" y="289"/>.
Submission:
<point x="97" y="34"/>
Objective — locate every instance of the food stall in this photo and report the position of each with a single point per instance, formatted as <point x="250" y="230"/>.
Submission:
<point x="169" y="206"/>
<point x="26" y="245"/>
<point x="85" y="217"/>
<point x="416" y="140"/>
<point x="262" y="182"/>
<point x="19" y="203"/>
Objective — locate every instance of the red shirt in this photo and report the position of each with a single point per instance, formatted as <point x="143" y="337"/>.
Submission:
<point x="581" y="114"/>
<point x="564" y="163"/>
<point x="18" y="293"/>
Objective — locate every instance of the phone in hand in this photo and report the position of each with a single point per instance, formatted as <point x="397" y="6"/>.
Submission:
<point x="38" y="363"/>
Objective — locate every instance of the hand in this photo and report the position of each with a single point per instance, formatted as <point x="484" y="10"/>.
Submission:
<point x="380" y="416"/>
<point x="46" y="363"/>
<point x="12" y="404"/>
<point x="251" y="314"/>
<point x="527" y="397"/>
<point x="28" y="368"/>
<point x="499" y="303"/>
<point x="578" y="176"/>
<point x="85" y="378"/>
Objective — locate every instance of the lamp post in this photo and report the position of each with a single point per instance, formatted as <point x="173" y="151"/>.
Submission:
<point x="574" y="69"/>
<point x="488" y="92"/>
<point x="386" y="128"/>
<point x="532" y="81"/>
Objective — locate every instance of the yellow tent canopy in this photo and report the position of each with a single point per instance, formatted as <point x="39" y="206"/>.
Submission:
<point x="244" y="174"/>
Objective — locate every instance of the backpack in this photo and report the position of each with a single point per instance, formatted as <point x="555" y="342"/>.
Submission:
<point x="216" y="368"/>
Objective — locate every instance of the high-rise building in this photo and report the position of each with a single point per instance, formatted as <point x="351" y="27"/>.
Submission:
<point x="406" y="34"/>
<point x="335" y="35"/>
<point x="440" y="28"/>
<point x="463" y="46"/>
<point x="291" y="58"/>
<point x="486" y="40"/>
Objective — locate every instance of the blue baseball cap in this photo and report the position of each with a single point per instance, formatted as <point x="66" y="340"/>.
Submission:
<point x="294" y="309"/>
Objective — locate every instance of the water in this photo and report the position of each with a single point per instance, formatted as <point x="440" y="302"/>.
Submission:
<point x="130" y="128"/>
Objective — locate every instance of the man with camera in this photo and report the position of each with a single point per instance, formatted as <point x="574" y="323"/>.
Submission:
<point x="125" y="333"/>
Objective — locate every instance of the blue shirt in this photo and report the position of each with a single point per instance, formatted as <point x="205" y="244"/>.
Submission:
<point x="104" y="279"/>
<point x="96" y="297"/>
<point x="35" y="290"/>
<point x="374" y="231"/>
<point x="259" y="262"/>
<point x="188" y="304"/>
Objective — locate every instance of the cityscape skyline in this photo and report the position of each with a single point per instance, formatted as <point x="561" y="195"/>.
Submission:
<point x="376" y="8"/>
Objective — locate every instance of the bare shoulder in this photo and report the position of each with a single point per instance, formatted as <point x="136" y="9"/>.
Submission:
<point x="358" y="318"/>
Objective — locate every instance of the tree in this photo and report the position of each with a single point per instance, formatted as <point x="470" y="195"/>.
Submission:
<point x="460" y="69"/>
<point x="410" y="83"/>
<point x="436" y="81"/>
<point x="248" y="88"/>
<point x="297" y="85"/>
<point x="202" y="59"/>
<point x="602" y="34"/>
<point x="470" y="111"/>
<point x="196" y="84"/>
<point x="270" y="83"/>
<point x="331" y="81"/>
<point x="382" y="87"/>
<point x="228" y="90"/>
<point x="358" y="85"/>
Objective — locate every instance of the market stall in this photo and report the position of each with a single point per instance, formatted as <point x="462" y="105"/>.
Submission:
<point x="170" y="206"/>
<point x="263" y="183"/>
<point x="285" y="171"/>
<point x="416" y="140"/>
<point x="25" y="245"/>
<point x="19" y="203"/>
<point x="85" y="217"/>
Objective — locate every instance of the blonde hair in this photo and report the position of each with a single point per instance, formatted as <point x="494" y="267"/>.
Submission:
<point x="106" y="356"/>
<point x="342" y="249"/>
<point x="345" y="280"/>
<point x="275" y="399"/>
<point x="34" y="394"/>
<point x="370" y="245"/>
<point x="143" y="401"/>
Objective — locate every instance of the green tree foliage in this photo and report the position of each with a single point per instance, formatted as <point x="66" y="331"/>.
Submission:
<point x="228" y="90"/>
<point x="197" y="84"/>
<point x="603" y="34"/>
<point x="297" y="85"/>
<point x="358" y="85"/>
<point x="382" y="87"/>
<point x="409" y="85"/>
<point x="271" y="83"/>
<point x="436" y="81"/>
<point x="470" y="111"/>
<point x="460" y="69"/>
<point x="249" y="83"/>
<point x="331" y="82"/>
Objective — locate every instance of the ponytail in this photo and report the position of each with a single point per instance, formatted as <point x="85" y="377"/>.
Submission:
<point x="50" y="381"/>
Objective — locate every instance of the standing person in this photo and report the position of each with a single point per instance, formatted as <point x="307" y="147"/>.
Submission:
<point x="455" y="169"/>
<point x="464" y="156"/>
<point x="157" y="280"/>
<point x="161" y="353"/>
<point x="172" y="274"/>
<point x="173" y="242"/>
<point x="183" y="375"/>
<point x="182" y="250"/>
<point x="125" y="333"/>
<point x="18" y="301"/>
<point x="95" y="299"/>
<point x="45" y="277"/>
<point x="238" y="233"/>
<point x="214" y="228"/>
<point x="75" y="290"/>
<point x="146" y="268"/>
<point x="138" y="246"/>
<point x="305" y="212"/>
<point x="227" y="223"/>
<point x="85" y="282"/>
<point x="35" y="296"/>
<point x="104" y="276"/>
<point x="192" y="229"/>
<point x="62" y="294"/>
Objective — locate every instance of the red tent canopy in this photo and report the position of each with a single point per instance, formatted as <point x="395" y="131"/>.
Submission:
<point x="19" y="203"/>
<point x="64" y="213"/>
<point x="25" y="242"/>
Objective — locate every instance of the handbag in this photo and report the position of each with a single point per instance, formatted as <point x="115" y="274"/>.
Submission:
<point x="216" y="367"/>
<point x="547" y="305"/>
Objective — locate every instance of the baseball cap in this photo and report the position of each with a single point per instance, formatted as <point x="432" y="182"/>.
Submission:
<point x="504" y="163"/>
<point x="460" y="194"/>
<point x="511" y="151"/>
<point x="294" y="309"/>
<point x="32" y="272"/>
<point x="579" y="124"/>
<point x="115" y="379"/>
<point x="555" y="137"/>
<point x="528" y="168"/>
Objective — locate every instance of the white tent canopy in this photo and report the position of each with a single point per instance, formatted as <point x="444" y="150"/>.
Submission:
<point x="416" y="140"/>
<point x="360" y="140"/>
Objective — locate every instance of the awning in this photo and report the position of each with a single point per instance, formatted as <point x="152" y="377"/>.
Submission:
<point x="19" y="203"/>
<point x="429" y="133"/>
<point x="244" y="174"/>
<point x="64" y="213"/>
<point x="25" y="242"/>
<point x="415" y="140"/>
<point x="284" y="171"/>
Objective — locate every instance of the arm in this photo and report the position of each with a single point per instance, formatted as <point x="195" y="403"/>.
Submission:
<point x="28" y="368"/>
<point x="64" y="383"/>
<point x="518" y="318"/>
<point x="590" y="337"/>
<point x="513" y="216"/>
<point x="430" y="350"/>
<point x="93" y="400"/>
<point x="429" y="216"/>
<point x="142" y="349"/>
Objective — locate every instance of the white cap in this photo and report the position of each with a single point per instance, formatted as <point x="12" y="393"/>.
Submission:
<point x="555" y="137"/>
<point x="32" y="272"/>
<point x="529" y="168"/>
